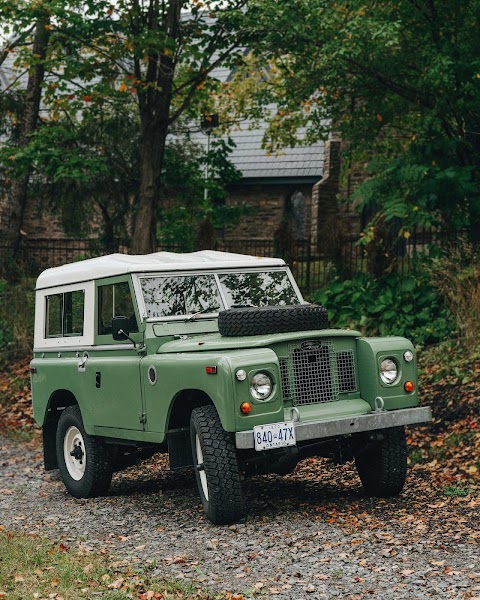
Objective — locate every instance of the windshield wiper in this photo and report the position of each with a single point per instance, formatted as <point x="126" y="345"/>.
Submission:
<point x="200" y="312"/>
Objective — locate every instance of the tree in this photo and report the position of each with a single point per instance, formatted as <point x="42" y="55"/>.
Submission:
<point x="87" y="171"/>
<point x="156" y="56"/>
<point x="11" y="218"/>
<point x="400" y="80"/>
<point x="88" y="168"/>
<point x="194" y="205"/>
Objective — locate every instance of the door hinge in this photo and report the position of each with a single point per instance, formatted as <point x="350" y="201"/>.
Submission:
<point x="142" y="417"/>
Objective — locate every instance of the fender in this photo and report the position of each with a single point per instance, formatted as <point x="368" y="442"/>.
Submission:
<point x="213" y="374"/>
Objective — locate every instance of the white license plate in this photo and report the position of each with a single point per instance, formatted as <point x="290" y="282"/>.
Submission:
<point x="274" y="435"/>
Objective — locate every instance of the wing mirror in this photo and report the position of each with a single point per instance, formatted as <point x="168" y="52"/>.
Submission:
<point x="120" y="328"/>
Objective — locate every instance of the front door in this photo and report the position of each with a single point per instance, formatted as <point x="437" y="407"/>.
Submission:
<point x="112" y="371"/>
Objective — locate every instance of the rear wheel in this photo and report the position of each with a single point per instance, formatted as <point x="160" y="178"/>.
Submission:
<point x="85" y="462"/>
<point x="216" y="467"/>
<point x="382" y="466"/>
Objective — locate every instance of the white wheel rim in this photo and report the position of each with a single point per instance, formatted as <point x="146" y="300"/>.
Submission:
<point x="73" y="442"/>
<point x="201" y="468"/>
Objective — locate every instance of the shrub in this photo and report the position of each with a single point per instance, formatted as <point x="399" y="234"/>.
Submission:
<point x="456" y="275"/>
<point x="17" y="315"/>
<point x="394" y="304"/>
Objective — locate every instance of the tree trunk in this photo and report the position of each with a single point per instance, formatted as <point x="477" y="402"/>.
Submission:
<point x="144" y="239"/>
<point x="154" y="103"/>
<point x="12" y="216"/>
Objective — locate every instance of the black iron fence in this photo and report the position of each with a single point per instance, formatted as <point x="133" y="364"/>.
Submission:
<point x="311" y="268"/>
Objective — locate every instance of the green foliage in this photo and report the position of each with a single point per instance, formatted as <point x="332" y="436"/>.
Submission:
<point x="147" y="64"/>
<point x="399" y="81"/>
<point x="411" y="189"/>
<point x="4" y="333"/>
<point x="454" y="491"/>
<point x="91" y="165"/>
<point x="17" y="316"/>
<point x="185" y="204"/>
<point x="391" y="305"/>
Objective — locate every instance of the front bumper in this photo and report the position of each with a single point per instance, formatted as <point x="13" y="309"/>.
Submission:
<point x="345" y="425"/>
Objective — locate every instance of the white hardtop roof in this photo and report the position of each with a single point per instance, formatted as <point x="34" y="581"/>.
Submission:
<point x="120" y="264"/>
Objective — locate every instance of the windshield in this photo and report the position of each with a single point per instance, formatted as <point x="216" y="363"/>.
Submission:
<point x="173" y="296"/>
<point x="268" y="288"/>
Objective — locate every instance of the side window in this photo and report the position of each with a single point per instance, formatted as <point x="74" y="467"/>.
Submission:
<point x="74" y="303"/>
<point x="115" y="300"/>
<point x="65" y="314"/>
<point x="54" y="316"/>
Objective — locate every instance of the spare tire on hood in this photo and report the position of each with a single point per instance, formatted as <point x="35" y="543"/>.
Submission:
<point x="254" y="320"/>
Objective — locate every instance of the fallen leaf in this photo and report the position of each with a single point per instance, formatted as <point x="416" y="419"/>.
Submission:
<point x="117" y="584"/>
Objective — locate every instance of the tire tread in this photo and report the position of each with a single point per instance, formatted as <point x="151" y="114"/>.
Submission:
<point x="100" y="463"/>
<point x="383" y="467"/>
<point x="248" y="321"/>
<point x="226" y="503"/>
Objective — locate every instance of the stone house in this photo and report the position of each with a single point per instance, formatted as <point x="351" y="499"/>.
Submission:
<point x="301" y="187"/>
<point x="295" y="191"/>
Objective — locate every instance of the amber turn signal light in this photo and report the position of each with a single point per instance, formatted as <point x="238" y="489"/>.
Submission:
<point x="245" y="407"/>
<point x="409" y="386"/>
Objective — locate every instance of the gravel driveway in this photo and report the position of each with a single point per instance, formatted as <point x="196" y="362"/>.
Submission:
<point x="310" y="535"/>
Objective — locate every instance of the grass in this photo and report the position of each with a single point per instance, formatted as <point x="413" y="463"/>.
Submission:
<point x="21" y="434"/>
<point x="453" y="491"/>
<point x="415" y="456"/>
<point x="34" y="567"/>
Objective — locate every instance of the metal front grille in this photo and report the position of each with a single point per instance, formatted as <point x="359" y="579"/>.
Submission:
<point x="285" y="375"/>
<point x="314" y="373"/>
<point x="347" y="380"/>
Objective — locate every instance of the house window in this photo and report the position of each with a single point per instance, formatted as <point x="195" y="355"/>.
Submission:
<point x="65" y="314"/>
<point x="295" y="210"/>
<point x="115" y="300"/>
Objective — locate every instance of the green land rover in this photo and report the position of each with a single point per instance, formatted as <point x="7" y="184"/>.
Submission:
<point x="217" y="359"/>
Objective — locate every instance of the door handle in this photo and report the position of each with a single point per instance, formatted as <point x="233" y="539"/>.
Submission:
<point x="82" y="362"/>
<point x="98" y="379"/>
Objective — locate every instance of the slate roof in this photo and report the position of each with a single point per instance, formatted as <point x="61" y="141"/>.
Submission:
<point x="299" y="163"/>
<point x="292" y="163"/>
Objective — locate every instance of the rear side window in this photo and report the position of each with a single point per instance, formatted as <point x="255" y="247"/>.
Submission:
<point x="115" y="300"/>
<point x="65" y="314"/>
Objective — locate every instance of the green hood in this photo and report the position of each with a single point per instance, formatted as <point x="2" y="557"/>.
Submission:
<point x="215" y="341"/>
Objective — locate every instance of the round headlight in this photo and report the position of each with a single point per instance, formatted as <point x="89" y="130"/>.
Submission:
<point x="388" y="370"/>
<point x="408" y="356"/>
<point x="261" y="386"/>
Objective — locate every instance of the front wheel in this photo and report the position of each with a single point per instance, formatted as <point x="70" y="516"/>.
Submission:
<point x="382" y="466"/>
<point x="216" y="467"/>
<point x="85" y="462"/>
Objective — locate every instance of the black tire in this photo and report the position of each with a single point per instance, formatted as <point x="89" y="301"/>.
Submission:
<point x="284" y="468"/>
<point x="382" y="466"/>
<point x="216" y="467"/>
<point x="271" y="319"/>
<point x="90" y="472"/>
